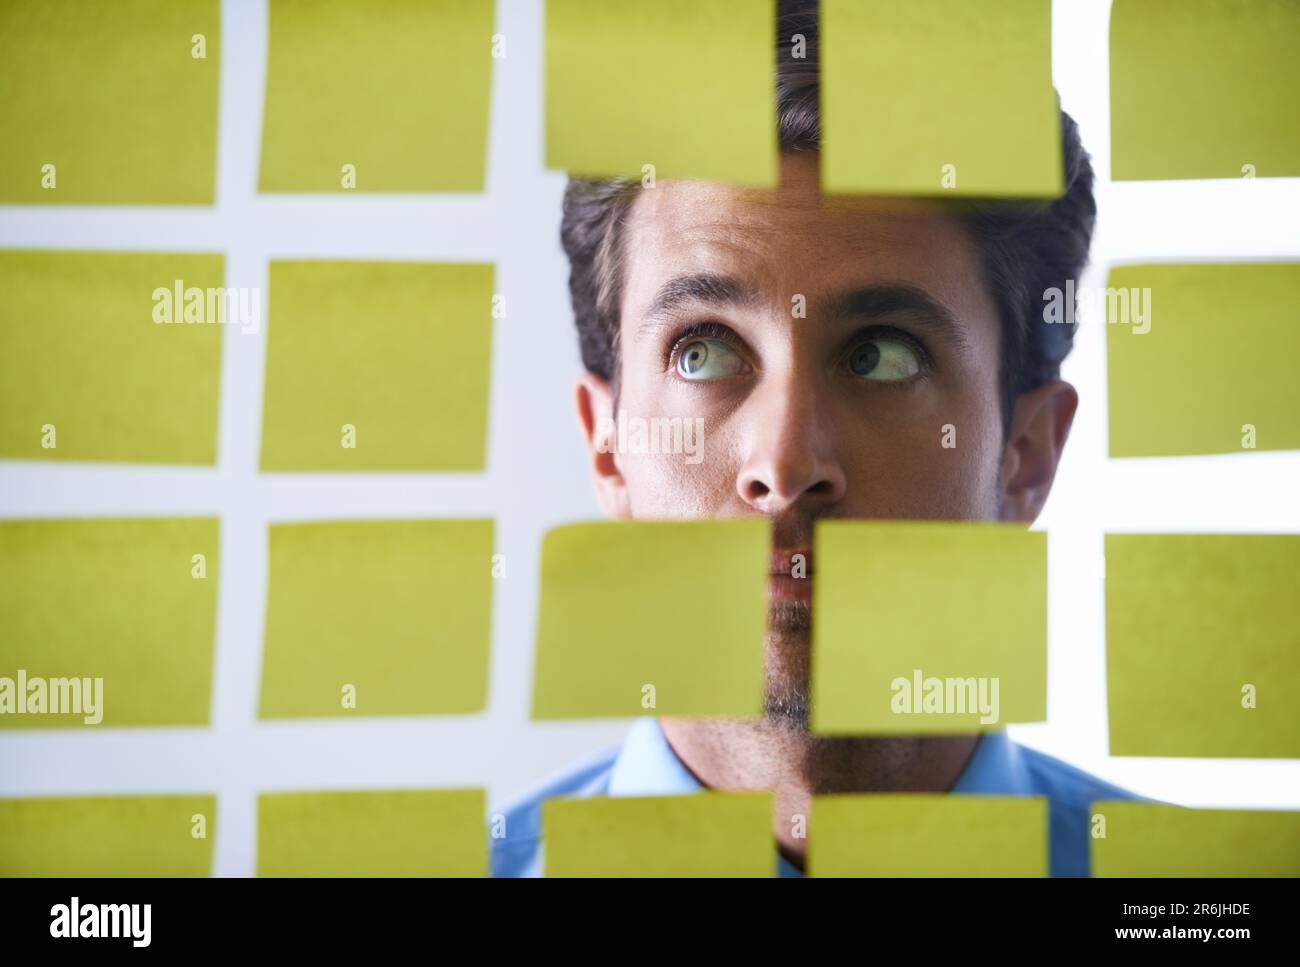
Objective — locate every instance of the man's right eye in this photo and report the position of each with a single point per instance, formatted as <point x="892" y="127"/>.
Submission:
<point x="703" y="359"/>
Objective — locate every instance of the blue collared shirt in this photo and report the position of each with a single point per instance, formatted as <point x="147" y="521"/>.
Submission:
<point x="646" y="765"/>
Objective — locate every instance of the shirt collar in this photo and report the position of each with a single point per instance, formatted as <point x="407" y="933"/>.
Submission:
<point x="646" y="765"/>
<point x="996" y="768"/>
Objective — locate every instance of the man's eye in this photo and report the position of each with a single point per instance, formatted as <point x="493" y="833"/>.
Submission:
<point x="702" y="359"/>
<point x="884" y="359"/>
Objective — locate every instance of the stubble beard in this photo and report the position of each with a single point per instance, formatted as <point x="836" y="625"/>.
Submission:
<point x="789" y="672"/>
<point x="828" y="764"/>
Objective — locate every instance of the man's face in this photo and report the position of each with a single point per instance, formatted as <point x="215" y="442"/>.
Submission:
<point x="831" y="350"/>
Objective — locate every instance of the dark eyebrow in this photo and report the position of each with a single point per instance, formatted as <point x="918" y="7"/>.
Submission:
<point x="874" y="302"/>
<point x="869" y="303"/>
<point x="704" y="288"/>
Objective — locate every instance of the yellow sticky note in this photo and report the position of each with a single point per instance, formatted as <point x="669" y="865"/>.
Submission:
<point x="940" y="97"/>
<point x="108" y="836"/>
<point x="1203" y="644"/>
<point x="1201" y="358"/>
<point x="386" y="832"/>
<point x="928" y="627"/>
<point x="100" y="361"/>
<point x="1204" y="89"/>
<point x="377" y="366"/>
<point x="684" y="86"/>
<point x="111" y="621"/>
<point x="1148" y="839"/>
<point x="386" y="100"/>
<point x="653" y="618"/>
<point x="378" y="617"/>
<point x="109" y="103"/>
<point x="925" y="834"/>
<point x="703" y="834"/>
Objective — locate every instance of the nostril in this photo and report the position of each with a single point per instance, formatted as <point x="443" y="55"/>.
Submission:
<point x="823" y="488"/>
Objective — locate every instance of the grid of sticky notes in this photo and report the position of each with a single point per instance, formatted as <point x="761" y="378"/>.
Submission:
<point x="1200" y="358"/>
<point x="391" y="100"/>
<point x="1138" y="839"/>
<point x="109" y="356"/>
<point x="377" y="618"/>
<point x="379" y="366"/>
<point x="916" y="633"/>
<point x="1204" y="89"/>
<point x="107" y="622"/>
<point x="934" y="97"/>
<point x="109" y="103"/>
<point x="709" y="834"/>
<point x="927" y="834"/>
<point x="673" y="89"/>
<point x="1203" y="644"/>
<point x="372" y="832"/>
<point x="652" y="618"/>
<point x="117" y="103"/>
<point x="79" y="836"/>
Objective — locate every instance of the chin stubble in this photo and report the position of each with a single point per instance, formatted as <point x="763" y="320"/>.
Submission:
<point x="788" y="679"/>
<point x="829" y="764"/>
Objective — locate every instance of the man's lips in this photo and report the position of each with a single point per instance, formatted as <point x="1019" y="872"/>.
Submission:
<point x="790" y="576"/>
<point x="795" y="562"/>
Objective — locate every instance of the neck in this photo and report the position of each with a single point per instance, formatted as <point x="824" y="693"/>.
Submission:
<point x="797" y="765"/>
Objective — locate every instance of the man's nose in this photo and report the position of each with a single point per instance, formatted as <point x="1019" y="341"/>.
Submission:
<point x="793" y="451"/>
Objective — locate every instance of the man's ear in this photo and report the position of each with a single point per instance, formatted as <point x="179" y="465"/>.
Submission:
<point x="596" y="416"/>
<point x="1040" y="425"/>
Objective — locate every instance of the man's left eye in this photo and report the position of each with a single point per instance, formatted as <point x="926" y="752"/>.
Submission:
<point x="884" y="359"/>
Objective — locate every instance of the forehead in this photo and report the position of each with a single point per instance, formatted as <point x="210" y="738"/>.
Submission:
<point x="791" y="239"/>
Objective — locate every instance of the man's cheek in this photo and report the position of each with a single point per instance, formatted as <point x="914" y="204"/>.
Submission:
<point x="951" y="484"/>
<point x="948" y="457"/>
<point x="672" y="485"/>
<point x="918" y="479"/>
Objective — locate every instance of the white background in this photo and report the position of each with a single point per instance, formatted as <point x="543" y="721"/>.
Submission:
<point x="537" y="475"/>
